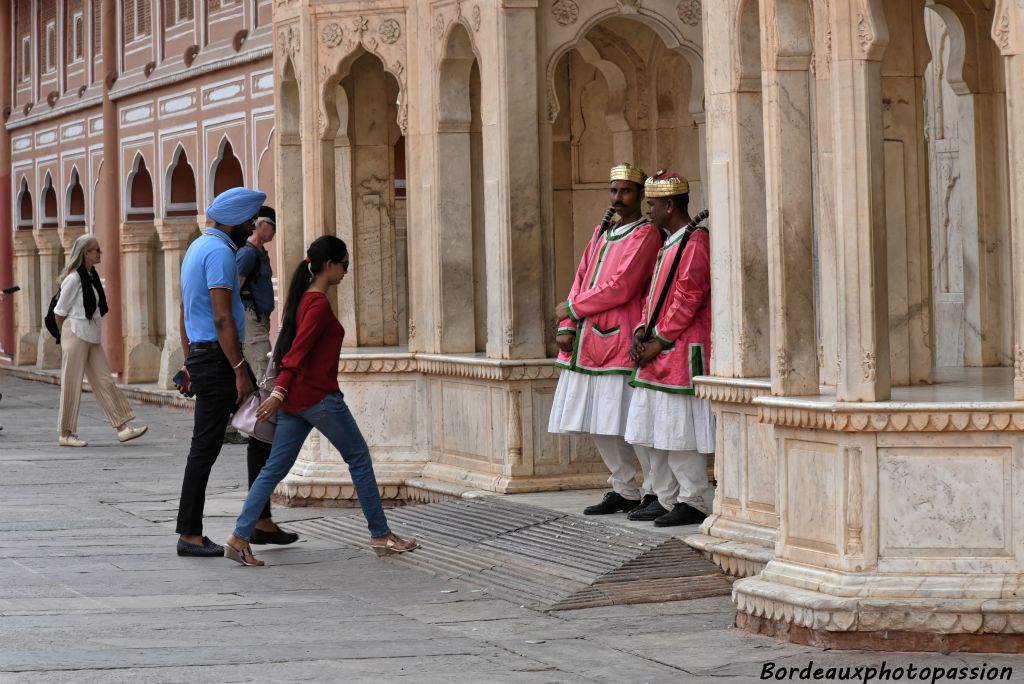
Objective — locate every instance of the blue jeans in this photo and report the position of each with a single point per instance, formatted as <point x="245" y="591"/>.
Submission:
<point x="333" y="419"/>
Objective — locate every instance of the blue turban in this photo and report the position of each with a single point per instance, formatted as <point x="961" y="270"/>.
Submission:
<point x="235" y="206"/>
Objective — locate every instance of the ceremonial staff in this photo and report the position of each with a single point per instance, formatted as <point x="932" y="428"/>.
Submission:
<point x="688" y="231"/>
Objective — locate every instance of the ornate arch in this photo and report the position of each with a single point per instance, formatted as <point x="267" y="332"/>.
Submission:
<point x="46" y="219"/>
<point x="674" y="38"/>
<point x="75" y="181"/>
<point x="342" y="40"/>
<point x="21" y="204"/>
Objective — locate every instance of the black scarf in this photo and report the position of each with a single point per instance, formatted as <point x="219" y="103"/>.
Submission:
<point x="91" y="278"/>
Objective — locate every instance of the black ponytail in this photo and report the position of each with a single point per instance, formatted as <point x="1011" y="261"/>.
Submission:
<point x="323" y="250"/>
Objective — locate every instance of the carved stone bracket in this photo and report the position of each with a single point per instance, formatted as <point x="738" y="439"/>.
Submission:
<point x="732" y="390"/>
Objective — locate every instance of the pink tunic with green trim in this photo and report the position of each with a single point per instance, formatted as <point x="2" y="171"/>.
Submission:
<point x="684" y="325"/>
<point x="606" y="298"/>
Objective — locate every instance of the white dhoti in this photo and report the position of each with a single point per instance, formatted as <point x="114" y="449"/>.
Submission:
<point x="598" y="405"/>
<point x="674" y="432"/>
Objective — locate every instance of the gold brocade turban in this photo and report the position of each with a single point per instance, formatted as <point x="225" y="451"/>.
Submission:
<point x="627" y="172"/>
<point x="665" y="184"/>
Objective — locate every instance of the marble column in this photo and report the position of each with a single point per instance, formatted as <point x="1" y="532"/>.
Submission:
<point x="50" y="263"/>
<point x="735" y="195"/>
<point x="789" y="185"/>
<point x="859" y="41"/>
<point x="1006" y="31"/>
<point x="141" y="355"/>
<point x="511" y="139"/>
<point x="29" y="302"/>
<point x="175" y="234"/>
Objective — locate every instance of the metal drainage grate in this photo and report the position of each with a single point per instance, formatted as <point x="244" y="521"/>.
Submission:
<point x="540" y="558"/>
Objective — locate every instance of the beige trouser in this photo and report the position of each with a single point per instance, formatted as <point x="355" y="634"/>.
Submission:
<point x="679" y="477"/>
<point x="257" y="343"/>
<point x="625" y="463"/>
<point x="80" y="358"/>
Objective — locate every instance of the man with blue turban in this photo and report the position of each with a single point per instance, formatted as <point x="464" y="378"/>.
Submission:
<point x="212" y="331"/>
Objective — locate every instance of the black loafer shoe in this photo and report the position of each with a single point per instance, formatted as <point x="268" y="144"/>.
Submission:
<point x="644" y="502"/>
<point x="651" y="511"/>
<point x="279" y="537"/>
<point x="681" y="514"/>
<point x="207" y="550"/>
<point x="611" y="503"/>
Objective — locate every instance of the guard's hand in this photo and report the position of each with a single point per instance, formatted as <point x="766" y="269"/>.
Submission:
<point x="562" y="311"/>
<point x="268" y="408"/>
<point x="650" y="350"/>
<point x="183" y="381"/>
<point x="243" y="383"/>
<point x="636" y="345"/>
<point x="564" y="342"/>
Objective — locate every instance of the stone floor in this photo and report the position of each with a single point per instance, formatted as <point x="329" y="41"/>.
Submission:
<point x="91" y="590"/>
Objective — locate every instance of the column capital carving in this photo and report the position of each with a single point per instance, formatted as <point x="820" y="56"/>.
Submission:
<point x="68" y="235"/>
<point x="137" y="237"/>
<point x="47" y="241"/>
<point x="865" y="33"/>
<point x="1006" y="25"/>
<point x="175" y="233"/>
<point x="24" y="243"/>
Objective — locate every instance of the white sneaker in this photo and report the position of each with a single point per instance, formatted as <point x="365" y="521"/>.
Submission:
<point x="73" y="441"/>
<point x="130" y="433"/>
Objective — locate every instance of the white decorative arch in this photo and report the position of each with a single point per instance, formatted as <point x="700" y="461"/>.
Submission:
<point x="169" y="206"/>
<point x="215" y="164"/>
<point x="23" y="190"/>
<point x="138" y="161"/>
<point x="670" y="34"/>
<point x="75" y="180"/>
<point x="45" y="218"/>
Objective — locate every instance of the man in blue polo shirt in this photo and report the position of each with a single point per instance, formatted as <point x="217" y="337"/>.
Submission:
<point x="212" y="330"/>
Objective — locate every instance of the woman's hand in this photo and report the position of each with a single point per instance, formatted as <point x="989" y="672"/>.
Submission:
<point x="268" y="408"/>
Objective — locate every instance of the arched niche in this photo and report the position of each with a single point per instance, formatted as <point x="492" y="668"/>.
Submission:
<point x="968" y="191"/>
<point x="24" y="206"/>
<point x="627" y="89"/>
<point x="74" y="202"/>
<point x="360" y="149"/>
<point x="180" y="181"/>
<point x="289" y="174"/>
<point x="139" y="192"/>
<point x="48" y="204"/>
<point x="226" y="171"/>
<point x="460" y="214"/>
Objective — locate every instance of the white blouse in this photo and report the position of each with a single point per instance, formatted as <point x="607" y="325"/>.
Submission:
<point x="71" y="306"/>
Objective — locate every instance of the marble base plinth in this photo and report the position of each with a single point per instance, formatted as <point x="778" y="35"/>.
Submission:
<point x="459" y="422"/>
<point x="897" y="519"/>
<point x="739" y="536"/>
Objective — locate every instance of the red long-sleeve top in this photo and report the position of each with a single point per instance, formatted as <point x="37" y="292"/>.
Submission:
<point x="309" y="371"/>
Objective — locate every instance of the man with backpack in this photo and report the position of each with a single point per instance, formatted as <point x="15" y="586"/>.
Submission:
<point x="257" y="292"/>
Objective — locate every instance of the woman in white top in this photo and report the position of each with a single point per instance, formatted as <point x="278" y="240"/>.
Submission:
<point x="79" y="308"/>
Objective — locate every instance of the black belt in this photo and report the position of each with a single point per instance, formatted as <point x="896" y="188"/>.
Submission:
<point x="204" y="345"/>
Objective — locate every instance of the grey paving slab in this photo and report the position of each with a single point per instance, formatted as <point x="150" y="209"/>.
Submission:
<point x="92" y="591"/>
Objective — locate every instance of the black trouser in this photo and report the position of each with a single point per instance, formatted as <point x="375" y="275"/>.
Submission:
<point x="213" y="382"/>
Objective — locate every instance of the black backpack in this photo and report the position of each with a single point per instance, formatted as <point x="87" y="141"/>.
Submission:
<point x="51" y="318"/>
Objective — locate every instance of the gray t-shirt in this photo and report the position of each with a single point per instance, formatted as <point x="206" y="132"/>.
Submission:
<point x="254" y="264"/>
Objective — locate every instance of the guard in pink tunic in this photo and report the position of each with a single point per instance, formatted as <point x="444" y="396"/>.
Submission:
<point x="666" y="423"/>
<point x="597" y="319"/>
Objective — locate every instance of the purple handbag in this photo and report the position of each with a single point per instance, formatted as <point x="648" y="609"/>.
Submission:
<point x="245" y="420"/>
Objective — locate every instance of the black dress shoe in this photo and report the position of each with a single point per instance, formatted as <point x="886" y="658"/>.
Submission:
<point x="278" y="537"/>
<point x="646" y="501"/>
<point x="681" y="514"/>
<point x="611" y="503"/>
<point x="207" y="550"/>
<point x="651" y="511"/>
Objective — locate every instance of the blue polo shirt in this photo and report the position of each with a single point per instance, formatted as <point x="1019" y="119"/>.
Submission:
<point x="209" y="263"/>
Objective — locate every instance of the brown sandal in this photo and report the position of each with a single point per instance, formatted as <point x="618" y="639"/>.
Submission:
<point x="243" y="555"/>
<point x="392" y="543"/>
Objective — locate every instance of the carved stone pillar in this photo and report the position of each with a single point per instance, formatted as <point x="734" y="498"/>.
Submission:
<point x="50" y="262"/>
<point x="29" y="302"/>
<point x="860" y="206"/>
<point x="175" y="234"/>
<point x="1006" y="30"/>
<point x="141" y="355"/>
<point x="789" y="184"/>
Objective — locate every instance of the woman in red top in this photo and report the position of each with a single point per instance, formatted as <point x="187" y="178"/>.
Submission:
<point x="306" y="391"/>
